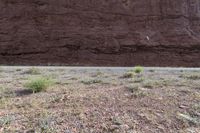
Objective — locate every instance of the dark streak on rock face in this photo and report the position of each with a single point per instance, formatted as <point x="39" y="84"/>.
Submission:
<point x="100" y="32"/>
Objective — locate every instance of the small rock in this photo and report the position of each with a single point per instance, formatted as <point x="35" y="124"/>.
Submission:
<point x="124" y="127"/>
<point x="182" y="106"/>
<point x="114" y="127"/>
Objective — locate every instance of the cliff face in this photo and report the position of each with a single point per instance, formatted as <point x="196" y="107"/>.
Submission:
<point x="100" y="32"/>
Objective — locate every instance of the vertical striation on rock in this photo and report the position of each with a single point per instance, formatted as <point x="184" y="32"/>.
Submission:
<point x="100" y="32"/>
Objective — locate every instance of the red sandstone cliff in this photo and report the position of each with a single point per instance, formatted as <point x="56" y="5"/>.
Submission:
<point x="100" y="32"/>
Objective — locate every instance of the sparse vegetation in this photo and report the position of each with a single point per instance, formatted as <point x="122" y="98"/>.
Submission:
<point x="139" y="94"/>
<point x="149" y="85"/>
<point x="5" y="120"/>
<point x="136" y="91"/>
<point x="45" y="123"/>
<point x="139" y="79"/>
<point x="2" y="89"/>
<point x="133" y="88"/>
<point x="73" y="78"/>
<point x="91" y="81"/>
<point x="188" y="118"/>
<point x="191" y="76"/>
<point x="128" y="75"/>
<point x="39" y="84"/>
<point x="97" y="74"/>
<point x="98" y="100"/>
<point x="132" y="73"/>
<point x="33" y="71"/>
<point x="196" y="107"/>
<point x="1" y="70"/>
<point x="18" y="69"/>
<point x="152" y="70"/>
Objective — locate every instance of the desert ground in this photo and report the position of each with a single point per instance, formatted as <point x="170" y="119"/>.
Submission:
<point x="100" y="100"/>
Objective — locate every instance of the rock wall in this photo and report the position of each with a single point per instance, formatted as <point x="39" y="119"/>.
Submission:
<point x="100" y="32"/>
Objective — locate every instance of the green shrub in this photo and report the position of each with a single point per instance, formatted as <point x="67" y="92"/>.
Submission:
<point x="138" y="69"/>
<point x="39" y="84"/>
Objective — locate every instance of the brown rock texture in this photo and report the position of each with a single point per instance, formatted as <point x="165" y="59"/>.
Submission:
<point x="100" y="32"/>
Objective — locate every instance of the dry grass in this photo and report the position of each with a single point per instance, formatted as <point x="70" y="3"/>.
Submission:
<point x="128" y="75"/>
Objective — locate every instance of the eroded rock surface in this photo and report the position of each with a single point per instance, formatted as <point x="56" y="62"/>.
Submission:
<point x="100" y="32"/>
